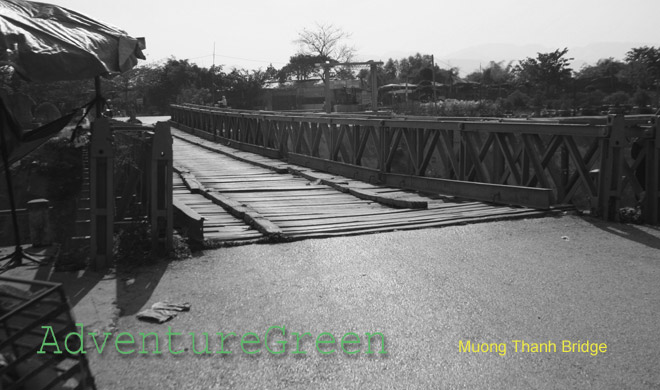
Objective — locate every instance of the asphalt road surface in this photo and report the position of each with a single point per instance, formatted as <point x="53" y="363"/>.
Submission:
<point x="428" y="292"/>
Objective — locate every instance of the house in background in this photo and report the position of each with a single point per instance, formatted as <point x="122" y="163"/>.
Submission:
<point x="309" y="95"/>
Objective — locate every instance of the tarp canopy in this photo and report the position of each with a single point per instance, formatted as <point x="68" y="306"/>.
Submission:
<point x="44" y="42"/>
<point x="397" y="86"/>
<point x="429" y="84"/>
<point x="401" y="92"/>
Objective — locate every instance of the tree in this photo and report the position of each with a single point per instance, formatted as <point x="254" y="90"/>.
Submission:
<point x="447" y="76"/>
<point x="172" y="78"/>
<point x="607" y="75"/>
<point x="644" y="66"/>
<point x="271" y="72"/>
<point x="244" y="88"/>
<point x="301" y="67"/>
<point x="126" y="88"/>
<point x="496" y="73"/>
<point x="391" y="71"/>
<point x="618" y="98"/>
<point x="416" y="68"/>
<point x="179" y="81"/>
<point x="547" y="73"/>
<point x="419" y="67"/>
<point x="327" y="43"/>
<point x="516" y="101"/>
<point x="365" y="75"/>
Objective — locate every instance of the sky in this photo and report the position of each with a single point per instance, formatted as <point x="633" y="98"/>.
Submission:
<point x="255" y="33"/>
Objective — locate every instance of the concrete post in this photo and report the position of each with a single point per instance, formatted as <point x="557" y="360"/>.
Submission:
<point x="160" y="198"/>
<point x="653" y="177"/>
<point x="101" y="194"/>
<point x="609" y="182"/>
<point x="328" y="92"/>
<point x="39" y="221"/>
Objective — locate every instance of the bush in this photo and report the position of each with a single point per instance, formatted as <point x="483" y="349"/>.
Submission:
<point x="60" y="162"/>
<point x="470" y="108"/>
<point x="641" y="98"/>
<point x="617" y="98"/>
<point x="516" y="101"/>
<point x="132" y="246"/>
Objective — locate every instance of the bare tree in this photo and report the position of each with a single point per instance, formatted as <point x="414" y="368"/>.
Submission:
<point x="326" y="42"/>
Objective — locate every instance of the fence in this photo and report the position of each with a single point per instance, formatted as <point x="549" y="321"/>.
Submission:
<point x="25" y="317"/>
<point x="602" y="163"/>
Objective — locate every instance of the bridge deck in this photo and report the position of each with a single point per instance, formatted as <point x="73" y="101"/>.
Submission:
<point x="219" y="225"/>
<point x="275" y="198"/>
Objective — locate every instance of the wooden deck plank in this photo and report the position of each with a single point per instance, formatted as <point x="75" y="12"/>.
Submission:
<point x="301" y="207"/>
<point x="393" y="214"/>
<point x="324" y="234"/>
<point x="348" y="223"/>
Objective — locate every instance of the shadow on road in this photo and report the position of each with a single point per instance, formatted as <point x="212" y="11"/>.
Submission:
<point x="642" y="234"/>
<point x="135" y="285"/>
<point x="76" y="285"/>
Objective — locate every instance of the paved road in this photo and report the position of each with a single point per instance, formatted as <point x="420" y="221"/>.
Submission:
<point x="536" y="280"/>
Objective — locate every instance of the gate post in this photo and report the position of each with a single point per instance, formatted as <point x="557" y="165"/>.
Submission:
<point x="653" y="176"/>
<point x="609" y="182"/>
<point x="383" y="142"/>
<point x="101" y="195"/>
<point x="461" y="139"/>
<point x="373" y="68"/>
<point x="160" y="178"/>
<point x="214" y="125"/>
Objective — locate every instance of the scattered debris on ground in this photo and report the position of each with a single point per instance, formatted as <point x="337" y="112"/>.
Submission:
<point x="162" y="311"/>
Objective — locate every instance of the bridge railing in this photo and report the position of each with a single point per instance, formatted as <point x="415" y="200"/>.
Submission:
<point x="601" y="164"/>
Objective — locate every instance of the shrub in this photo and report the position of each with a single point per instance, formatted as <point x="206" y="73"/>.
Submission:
<point x="617" y="98"/>
<point x="517" y="100"/>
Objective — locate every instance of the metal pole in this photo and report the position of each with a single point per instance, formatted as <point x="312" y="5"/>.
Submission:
<point x="10" y="186"/>
<point x="97" y="87"/>
<point x="326" y="76"/>
<point x="213" y="102"/>
<point x="407" y="80"/>
<point x="433" y="73"/>
<point x="374" y="88"/>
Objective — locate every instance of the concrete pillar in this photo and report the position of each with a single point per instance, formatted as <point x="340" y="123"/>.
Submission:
<point x="39" y="221"/>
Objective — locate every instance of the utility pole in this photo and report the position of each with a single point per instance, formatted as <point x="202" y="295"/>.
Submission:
<point x="328" y="92"/>
<point x="213" y="74"/>
<point x="433" y="78"/>
<point x="374" y="86"/>
<point x="433" y="81"/>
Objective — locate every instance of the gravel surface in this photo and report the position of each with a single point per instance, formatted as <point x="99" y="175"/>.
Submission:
<point x="540" y="280"/>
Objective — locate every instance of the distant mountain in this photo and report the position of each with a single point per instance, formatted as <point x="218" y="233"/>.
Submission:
<point x="469" y="59"/>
